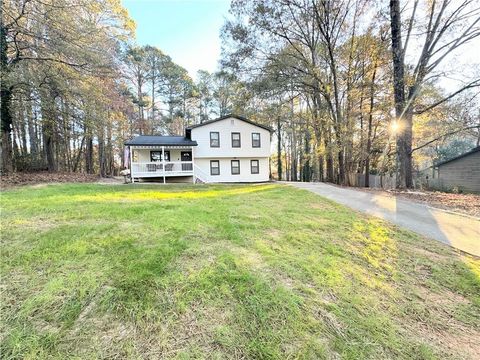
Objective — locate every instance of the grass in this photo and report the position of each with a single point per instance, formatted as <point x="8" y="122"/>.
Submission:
<point x="263" y="271"/>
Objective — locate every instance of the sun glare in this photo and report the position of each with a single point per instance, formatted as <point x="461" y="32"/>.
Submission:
<point x="394" y="127"/>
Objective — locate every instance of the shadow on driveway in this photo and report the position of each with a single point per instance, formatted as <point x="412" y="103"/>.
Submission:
<point x="459" y="231"/>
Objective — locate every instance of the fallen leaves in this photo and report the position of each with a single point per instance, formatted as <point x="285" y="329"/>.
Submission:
<point x="43" y="177"/>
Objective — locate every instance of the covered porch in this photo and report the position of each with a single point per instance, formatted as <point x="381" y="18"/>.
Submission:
<point x="161" y="161"/>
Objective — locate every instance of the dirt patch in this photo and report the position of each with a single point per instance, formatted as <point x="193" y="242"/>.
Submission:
<point x="446" y="331"/>
<point x="453" y="341"/>
<point x="432" y="255"/>
<point x="116" y="180"/>
<point x="43" y="178"/>
<point x="197" y="327"/>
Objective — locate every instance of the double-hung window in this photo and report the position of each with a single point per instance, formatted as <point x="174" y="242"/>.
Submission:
<point x="214" y="167"/>
<point x="256" y="140"/>
<point x="214" y="139"/>
<point x="235" y="139"/>
<point x="235" y="167"/>
<point x="254" y="167"/>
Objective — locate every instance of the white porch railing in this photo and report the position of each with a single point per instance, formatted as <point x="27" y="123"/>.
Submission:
<point x="160" y="169"/>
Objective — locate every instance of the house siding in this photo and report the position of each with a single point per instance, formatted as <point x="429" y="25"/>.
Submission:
<point x="226" y="171"/>
<point x="225" y="127"/>
<point x="203" y="153"/>
<point x="463" y="173"/>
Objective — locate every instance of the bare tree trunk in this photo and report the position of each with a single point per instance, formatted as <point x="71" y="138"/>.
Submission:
<point x="79" y="155"/>
<point x="47" y="130"/>
<point x="109" y="150"/>
<point x="88" y="149"/>
<point x="307" y="171"/>
<point x="329" y="161"/>
<point x="279" y="148"/>
<point x="6" y="103"/>
<point x="32" y="136"/>
<point x="153" y="101"/>
<point x="369" y="131"/>
<point x="23" y="130"/>
<point x="341" y="167"/>
<point x="102" y="161"/>
<point x="404" y="170"/>
<point x="48" y="118"/>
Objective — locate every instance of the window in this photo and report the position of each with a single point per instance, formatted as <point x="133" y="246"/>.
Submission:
<point x="214" y="139"/>
<point x="235" y="167"/>
<point x="256" y="140"/>
<point x="254" y="167"/>
<point x="235" y="139"/>
<point x="214" y="167"/>
<point x="157" y="156"/>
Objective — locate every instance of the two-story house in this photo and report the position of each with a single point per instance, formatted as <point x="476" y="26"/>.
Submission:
<point x="228" y="149"/>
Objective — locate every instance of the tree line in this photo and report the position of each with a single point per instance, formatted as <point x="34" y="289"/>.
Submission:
<point x="356" y="85"/>
<point x="350" y="87"/>
<point x="75" y="86"/>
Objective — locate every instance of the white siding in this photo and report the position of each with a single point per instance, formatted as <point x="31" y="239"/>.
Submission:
<point x="226" y="171"/>
<point x="203" y="153"/>
<point x="225" y="128"/>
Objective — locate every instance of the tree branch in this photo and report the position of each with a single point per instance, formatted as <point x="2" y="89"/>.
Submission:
<point x="445" y="135"/>
<point x="471" y="85"/>
<point x="51" y="60"/>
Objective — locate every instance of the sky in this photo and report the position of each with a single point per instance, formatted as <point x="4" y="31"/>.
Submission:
<point x="189" y="32"/>
<point x="186" y="30"/>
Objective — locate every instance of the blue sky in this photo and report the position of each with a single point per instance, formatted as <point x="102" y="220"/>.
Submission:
<point x="187" y="30"/>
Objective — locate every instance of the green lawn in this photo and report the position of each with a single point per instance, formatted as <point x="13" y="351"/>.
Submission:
<point x="263" y="271"/>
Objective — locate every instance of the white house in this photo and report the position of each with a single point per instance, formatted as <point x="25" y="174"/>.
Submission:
<point x="228" y="149"/>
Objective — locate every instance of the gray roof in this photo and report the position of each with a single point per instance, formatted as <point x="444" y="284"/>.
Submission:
<point x="474" y="150"/>
<point x="156" y="140"/>
<point x="231" y="116"/>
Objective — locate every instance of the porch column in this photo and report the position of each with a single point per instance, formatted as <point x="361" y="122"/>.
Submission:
<point x="193" y="165"/>
<point x="163" y="163"/>
<point x="130" y="150"/>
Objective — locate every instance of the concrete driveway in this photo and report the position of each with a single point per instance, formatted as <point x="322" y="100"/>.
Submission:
<point x="459" y="231"/>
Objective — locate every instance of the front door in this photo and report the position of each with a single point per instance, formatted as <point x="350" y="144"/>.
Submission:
<point x="186" y="156"/>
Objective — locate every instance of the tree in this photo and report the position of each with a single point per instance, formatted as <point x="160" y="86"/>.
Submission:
<point x="319" y="58"/>
<point x="205" y="88"/>
<point x="446" y="26"/>
<point x="49" y="50"/>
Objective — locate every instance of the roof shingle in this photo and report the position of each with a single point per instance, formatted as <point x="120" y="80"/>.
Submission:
<point x="156" y="140"/>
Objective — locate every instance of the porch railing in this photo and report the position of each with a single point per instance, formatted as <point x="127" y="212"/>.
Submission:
<point x="167" y="168"/>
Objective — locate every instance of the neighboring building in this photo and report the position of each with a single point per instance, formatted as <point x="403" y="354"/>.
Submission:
<point x="227" y="149"/>
<point x="462" y="172"/>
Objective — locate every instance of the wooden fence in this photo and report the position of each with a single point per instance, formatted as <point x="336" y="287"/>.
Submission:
<point x="377" y="181"/>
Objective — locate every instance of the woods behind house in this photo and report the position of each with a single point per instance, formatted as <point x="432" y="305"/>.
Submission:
<point x="349" y="86"/>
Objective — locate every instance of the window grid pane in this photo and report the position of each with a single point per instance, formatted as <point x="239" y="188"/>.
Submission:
<point x="214" y="139"/>
<point x="235" y="167"/>
<point x="254" y="167"/>
<point x="255" y="140"/>
<point x="214" y="167"/>
<point x="235" y="139"/>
